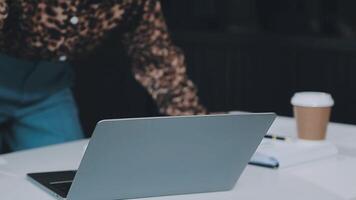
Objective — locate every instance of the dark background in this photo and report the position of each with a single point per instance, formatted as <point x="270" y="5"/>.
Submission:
<point x="247" y="55"/>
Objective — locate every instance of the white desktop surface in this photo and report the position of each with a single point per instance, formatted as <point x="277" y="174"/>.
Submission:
<point x="255" y="183"/>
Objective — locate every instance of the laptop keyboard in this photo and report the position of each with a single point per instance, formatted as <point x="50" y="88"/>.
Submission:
<point x="58" y="182"/>
<point x="63" y="188"/>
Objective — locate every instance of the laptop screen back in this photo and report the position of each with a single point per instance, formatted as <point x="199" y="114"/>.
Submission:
<point x="135" y="158"/>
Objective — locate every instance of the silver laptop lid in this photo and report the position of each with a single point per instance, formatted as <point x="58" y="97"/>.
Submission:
<point x="133" y="158"/>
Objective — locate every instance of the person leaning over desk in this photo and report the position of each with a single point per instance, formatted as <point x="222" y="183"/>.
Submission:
<point x="39" y="39"/>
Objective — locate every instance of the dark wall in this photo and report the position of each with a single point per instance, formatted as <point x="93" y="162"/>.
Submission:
<point x="238" y="70"/>
<point x="261" y="72"/>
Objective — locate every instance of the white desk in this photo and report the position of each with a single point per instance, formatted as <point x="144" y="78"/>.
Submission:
<point x="255" y="183"/>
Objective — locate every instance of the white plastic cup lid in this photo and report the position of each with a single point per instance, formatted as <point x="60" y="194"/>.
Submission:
<point x="312" y="99"/>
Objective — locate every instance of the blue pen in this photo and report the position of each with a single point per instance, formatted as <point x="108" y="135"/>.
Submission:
<point x="262" y="160"/>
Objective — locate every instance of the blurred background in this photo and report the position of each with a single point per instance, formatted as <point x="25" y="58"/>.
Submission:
<point x="248" y="55"/>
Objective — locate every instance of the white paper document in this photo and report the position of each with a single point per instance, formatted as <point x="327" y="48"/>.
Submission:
<point x="292" y="153"/>
<point x="336" y="175"/>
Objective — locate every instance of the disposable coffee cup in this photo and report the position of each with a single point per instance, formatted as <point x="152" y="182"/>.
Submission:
<point x="312" y="113"/>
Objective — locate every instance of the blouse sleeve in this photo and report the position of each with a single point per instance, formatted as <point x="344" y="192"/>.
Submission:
<point x="159" y="65"/>
<point x="3" y="12"/>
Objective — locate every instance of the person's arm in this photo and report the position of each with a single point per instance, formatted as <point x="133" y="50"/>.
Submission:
<point x="159" y="65"/>
<point x="3" y="12"/>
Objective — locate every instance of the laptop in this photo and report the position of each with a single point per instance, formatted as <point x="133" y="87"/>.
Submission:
<point x="147" y="157"/>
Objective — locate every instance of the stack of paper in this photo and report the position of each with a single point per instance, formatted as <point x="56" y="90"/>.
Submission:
<point x="291" y="153"/>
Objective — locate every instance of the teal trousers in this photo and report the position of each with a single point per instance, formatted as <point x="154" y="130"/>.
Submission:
<point x="36" y="104"/>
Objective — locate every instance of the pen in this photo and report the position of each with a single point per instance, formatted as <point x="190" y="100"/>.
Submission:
<point x="259" y="159"/>
<point x="271" y="166"/>
<point x="274" y="137"/>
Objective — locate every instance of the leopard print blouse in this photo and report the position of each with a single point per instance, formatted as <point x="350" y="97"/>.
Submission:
<point x="61" y="30"/>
